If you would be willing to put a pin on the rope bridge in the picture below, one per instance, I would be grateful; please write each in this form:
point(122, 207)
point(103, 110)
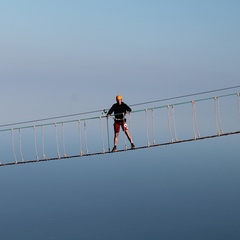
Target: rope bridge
point(158, 125)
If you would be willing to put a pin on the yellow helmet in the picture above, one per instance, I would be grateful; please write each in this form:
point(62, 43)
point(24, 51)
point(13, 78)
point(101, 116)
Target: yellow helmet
point(118, 97)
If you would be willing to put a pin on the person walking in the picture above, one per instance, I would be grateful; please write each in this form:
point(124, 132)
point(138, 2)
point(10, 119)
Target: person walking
point(120, 109)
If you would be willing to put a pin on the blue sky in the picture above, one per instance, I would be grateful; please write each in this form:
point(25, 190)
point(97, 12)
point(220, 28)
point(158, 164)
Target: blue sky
point(63, 57)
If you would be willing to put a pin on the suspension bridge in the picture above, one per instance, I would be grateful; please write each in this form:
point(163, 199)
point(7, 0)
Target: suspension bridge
point(157, 123)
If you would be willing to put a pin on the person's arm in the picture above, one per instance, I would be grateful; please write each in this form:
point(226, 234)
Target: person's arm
point(110, 111)
point(128, 109)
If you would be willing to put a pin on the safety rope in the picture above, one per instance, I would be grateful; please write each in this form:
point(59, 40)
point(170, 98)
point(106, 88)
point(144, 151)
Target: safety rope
point(0, 149)
point(13, 147)
point(217, 115)
point(20, 144)
point(125, 138)
point(140, 147)
point(35, 141)
point(63, 141)
point(43, 150)
point(174, 123)
point(153, 127)
point(85, 135)
point(128, 117)
point(169, 123)
point(108, 134)
point(125, 141)
point(56, 135)
point(194, 121)
point(80, 137)
point(136, 104)
point(238, 98)
point(101, 131)
point(146, 120)
point(130, 124)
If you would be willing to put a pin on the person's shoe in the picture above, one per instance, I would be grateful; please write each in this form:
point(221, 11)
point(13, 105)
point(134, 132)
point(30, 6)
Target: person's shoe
point(114, 149)
point(132, 146)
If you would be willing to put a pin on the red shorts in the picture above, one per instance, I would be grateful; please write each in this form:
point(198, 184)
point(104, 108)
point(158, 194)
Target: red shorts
point(117, 126)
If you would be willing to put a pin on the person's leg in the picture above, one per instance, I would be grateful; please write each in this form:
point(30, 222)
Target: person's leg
point(116, 138)
point(116, 133)
point(128, 136)
point(125, 128)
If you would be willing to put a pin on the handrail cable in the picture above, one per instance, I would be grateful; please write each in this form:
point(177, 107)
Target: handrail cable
point(96, 117)
point(136, 104)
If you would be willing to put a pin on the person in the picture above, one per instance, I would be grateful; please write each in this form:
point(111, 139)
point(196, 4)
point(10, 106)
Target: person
point(120, 109)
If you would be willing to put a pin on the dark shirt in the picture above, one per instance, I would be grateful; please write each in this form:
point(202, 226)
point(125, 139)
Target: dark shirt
point(119, 110)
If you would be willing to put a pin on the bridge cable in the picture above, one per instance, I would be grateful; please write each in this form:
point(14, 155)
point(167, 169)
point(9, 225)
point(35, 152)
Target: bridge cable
point(184, 96)
point(20, 144)
point(85, 135)
point(101, 131)
point(80, 137)
point(217, 115)
point(194, 121)
point(63, 140)
point(56, 135)
point(136, 104)
point(238, 97)
point(13, 147)
point(169, 123)
point(125, 137)
point(174, 123)
point(146, 121)
point(153, 127)
point(43, 150)
point(35, 141)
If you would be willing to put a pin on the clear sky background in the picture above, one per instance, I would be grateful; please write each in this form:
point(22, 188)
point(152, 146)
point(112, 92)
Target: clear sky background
point(62, 57)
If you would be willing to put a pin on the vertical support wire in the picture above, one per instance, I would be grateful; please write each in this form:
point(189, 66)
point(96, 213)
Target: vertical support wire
point(125, 136)
point(159, 123)
point(35, 142)
point(0, 161)
point(217, 115)
point(169, 124)
point(153, 127)
point(108, 134)
point(147, 135)
point(194, 121)
point(101, 131)
point(80, 137)
point(20, 144)
point(85, 135)
point(63, 141)
point(56, 135)
point(238, 97)
point(174, 123)
point(43, 150)
point(130, 124)
point(13, 147)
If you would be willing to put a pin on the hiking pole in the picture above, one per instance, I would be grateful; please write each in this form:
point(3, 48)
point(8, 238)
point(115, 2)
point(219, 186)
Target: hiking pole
point(105, 111)
point(108, 135)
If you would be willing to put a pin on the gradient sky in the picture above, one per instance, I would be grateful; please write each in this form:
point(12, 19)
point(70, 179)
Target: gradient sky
point(62, 57)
